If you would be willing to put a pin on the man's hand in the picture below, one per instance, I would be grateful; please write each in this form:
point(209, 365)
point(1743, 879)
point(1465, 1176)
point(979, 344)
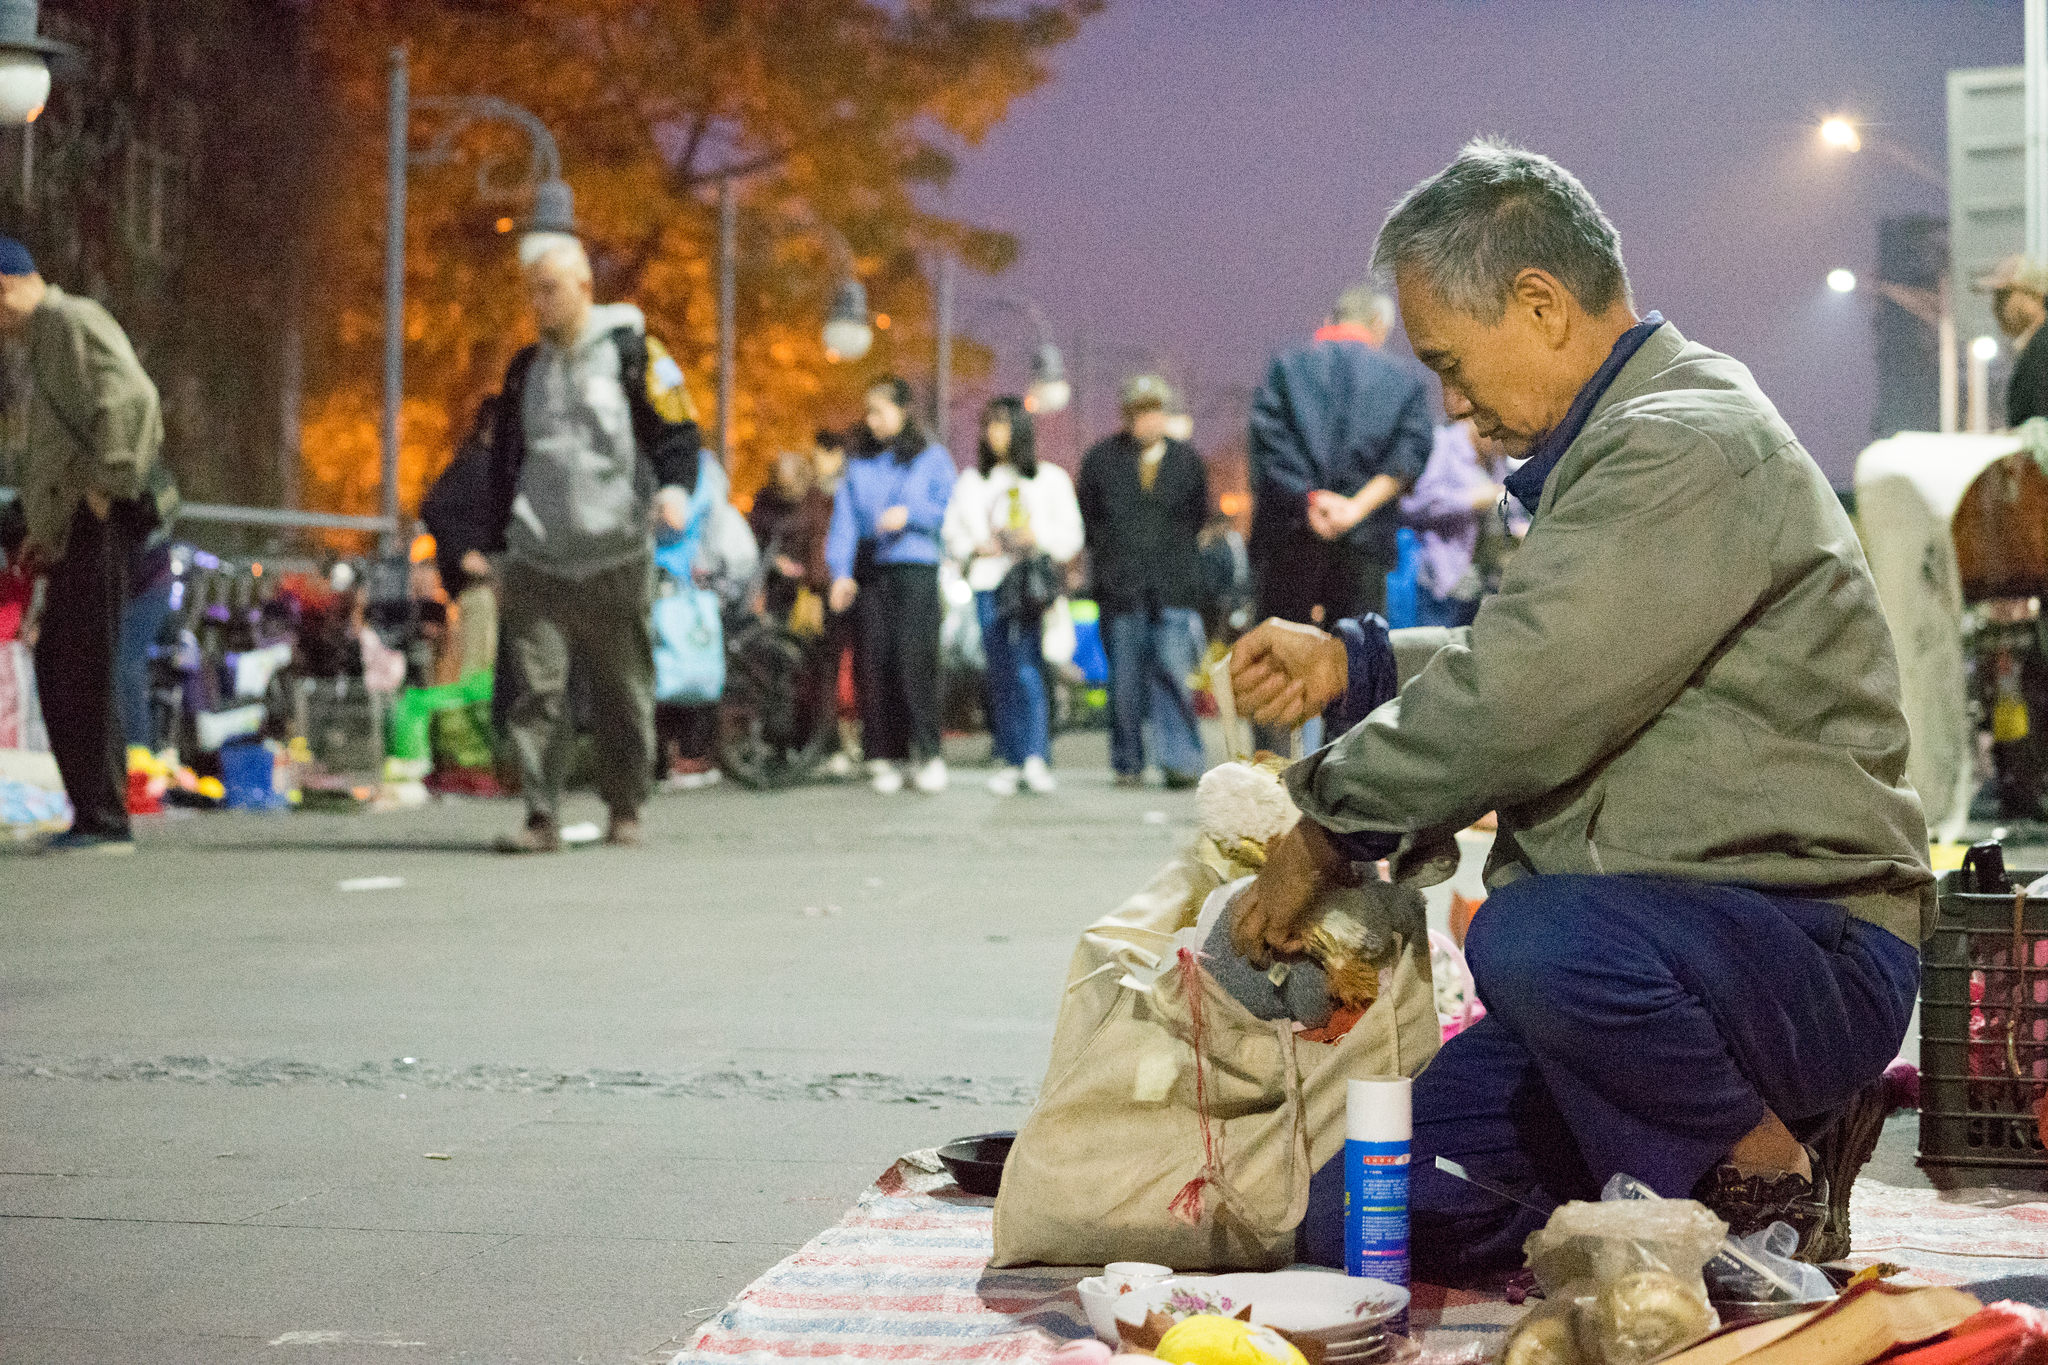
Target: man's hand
point(99, 503)
point(475, 564)
point(673, 506)
point(788, 567)
point(1282, 673)
point(844, 590)
point(1270, 914)
point(1489, 497)
point(1332, 515)
point(893, 520)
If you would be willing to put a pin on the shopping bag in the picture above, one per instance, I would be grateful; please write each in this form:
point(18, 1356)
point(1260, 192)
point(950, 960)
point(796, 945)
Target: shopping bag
point(1056, 634)
point(689, 645)
point(1175, 1127)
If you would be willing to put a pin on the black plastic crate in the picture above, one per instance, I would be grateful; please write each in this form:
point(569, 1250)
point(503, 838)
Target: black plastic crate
point(1984, 1036)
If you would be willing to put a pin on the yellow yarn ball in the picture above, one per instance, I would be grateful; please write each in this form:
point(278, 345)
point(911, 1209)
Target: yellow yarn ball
point(1207, 1339)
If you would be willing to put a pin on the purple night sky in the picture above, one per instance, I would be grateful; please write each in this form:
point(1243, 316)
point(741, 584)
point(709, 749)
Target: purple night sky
point(1202, 176)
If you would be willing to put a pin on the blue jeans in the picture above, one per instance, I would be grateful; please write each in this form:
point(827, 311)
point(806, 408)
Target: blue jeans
point(1018, 714)
point(1149, 662)
point(1635, 1025)
point(142, 617)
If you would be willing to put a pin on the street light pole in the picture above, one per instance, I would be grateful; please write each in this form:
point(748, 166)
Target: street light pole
point(394, 290)
point(2036, 123)
point(942, 384)
point(728, 309)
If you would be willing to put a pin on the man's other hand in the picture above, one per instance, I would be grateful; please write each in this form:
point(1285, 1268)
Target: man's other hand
point(844, 590)
point(672, 505)
point(99, 503)
point(1282, 673)
point(1270, 914)
point(475, 564)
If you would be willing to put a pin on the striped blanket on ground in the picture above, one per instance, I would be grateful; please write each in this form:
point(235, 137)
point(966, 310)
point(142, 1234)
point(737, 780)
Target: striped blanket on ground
point(905, 1277)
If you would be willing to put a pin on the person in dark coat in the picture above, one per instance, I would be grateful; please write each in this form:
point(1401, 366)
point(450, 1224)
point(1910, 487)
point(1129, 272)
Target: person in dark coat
point(1144, 498)
point(1338, 433)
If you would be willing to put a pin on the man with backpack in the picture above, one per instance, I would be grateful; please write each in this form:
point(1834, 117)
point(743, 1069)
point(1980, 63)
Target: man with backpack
point(583, 453)
point(95, 428)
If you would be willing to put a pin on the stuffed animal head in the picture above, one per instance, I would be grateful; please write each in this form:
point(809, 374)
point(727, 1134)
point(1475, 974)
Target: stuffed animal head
point(1245, 802)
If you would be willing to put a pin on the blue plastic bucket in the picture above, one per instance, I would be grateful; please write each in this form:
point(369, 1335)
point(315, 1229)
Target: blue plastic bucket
point(246, 770)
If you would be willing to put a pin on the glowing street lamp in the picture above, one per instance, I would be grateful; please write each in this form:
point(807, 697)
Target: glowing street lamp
point(847, 332)
point(1841, 134)
point(1842, 281)
point(25, 58)
point(1049, 392)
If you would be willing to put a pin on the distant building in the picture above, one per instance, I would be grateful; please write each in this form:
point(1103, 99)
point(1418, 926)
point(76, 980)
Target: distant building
point(167, 180)
point(1912, 251)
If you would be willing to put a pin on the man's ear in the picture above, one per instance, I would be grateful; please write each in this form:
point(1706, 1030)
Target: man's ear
point(1544, 301)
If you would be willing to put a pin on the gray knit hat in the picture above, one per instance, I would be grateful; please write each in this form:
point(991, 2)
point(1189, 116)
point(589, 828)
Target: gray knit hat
point(1142, 391)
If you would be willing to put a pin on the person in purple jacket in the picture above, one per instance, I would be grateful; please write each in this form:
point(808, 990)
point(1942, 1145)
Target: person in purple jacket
point(883, 551)
point(1448, 507)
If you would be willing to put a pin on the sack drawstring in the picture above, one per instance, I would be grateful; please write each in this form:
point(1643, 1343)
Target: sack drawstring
point(1188, 1205)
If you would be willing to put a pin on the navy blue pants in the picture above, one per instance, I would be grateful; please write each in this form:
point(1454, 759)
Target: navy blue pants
point(1634, 1025)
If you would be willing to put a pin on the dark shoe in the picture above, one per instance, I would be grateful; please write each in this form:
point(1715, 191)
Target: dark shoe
point(1842, 1151)
point(624, 831)
point(1130, 780)
point(1180, 782)
point(1751, 1203)
point(541, 835)
point(80, 841)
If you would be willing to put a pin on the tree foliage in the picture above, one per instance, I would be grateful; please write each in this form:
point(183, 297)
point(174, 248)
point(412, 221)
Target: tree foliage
point(842, 113)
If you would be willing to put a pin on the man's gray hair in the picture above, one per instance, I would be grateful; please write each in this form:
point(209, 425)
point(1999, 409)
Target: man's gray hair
point(1495, 211)
point(1365, 305)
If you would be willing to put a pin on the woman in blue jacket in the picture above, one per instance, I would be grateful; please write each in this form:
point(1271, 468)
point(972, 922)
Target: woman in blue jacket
point(883, 550)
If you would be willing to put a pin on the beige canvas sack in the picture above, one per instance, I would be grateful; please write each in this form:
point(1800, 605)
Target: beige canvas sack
point(1117, 1137)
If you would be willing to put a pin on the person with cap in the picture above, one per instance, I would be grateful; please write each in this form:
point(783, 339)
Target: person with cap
point(2018, 287)
point(95, 431)
point(587, 448)
point(1144, 497)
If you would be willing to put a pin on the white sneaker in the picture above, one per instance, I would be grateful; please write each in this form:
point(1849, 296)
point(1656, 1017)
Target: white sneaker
point(1004, 783)
point(931, 778)
point(1038, 777)
point(839, 767)
point(885, 777)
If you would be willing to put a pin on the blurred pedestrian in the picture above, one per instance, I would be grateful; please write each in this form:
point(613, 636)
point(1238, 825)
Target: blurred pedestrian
point(2017, 287)
point(1014, 526)
point(456, 512)
point(1144, 497)
point(790, 519)
point(1449, 507)
point(884, 554)
point(95, 432)
point(1338, 433)
point(581, 459)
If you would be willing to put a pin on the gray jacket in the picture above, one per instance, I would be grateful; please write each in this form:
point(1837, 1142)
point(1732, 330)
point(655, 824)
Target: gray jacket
point(94, 422)
point(578, 510)
point(1686, 672)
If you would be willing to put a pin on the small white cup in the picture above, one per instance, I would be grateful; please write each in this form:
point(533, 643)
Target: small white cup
point(1124, 1276)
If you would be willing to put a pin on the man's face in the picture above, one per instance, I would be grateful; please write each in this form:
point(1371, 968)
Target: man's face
point(1503, 376)
point(1148, 425)
point(558, 294)
point(2019, 311)
point(19, 297)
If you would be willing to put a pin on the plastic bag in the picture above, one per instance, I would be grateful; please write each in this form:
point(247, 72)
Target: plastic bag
point(1622, 1280)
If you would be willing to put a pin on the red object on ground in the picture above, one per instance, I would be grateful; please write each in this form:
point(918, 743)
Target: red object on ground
point(142, 801)
point(464, 782)
point(2005, 1333)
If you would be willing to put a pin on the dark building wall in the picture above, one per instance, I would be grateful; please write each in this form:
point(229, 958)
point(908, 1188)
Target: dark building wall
point(166, 179)
point(1912, 250)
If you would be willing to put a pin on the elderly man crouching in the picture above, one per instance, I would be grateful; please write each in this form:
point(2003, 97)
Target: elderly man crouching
point(1711, 873)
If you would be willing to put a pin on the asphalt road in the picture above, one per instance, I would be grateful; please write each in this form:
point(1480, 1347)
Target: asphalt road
point(550, 1109)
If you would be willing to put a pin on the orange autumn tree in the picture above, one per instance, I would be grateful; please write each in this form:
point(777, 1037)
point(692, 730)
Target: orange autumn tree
point(846, 113)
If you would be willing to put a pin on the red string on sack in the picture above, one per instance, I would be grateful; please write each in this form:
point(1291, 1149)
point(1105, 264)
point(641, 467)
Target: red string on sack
point(1187, 1206)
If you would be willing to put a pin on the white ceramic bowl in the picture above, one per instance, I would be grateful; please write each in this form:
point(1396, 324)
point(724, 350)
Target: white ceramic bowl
point(1099, 1300)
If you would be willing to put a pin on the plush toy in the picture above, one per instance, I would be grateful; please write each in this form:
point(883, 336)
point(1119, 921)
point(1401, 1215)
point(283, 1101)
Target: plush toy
point(1241, 808)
